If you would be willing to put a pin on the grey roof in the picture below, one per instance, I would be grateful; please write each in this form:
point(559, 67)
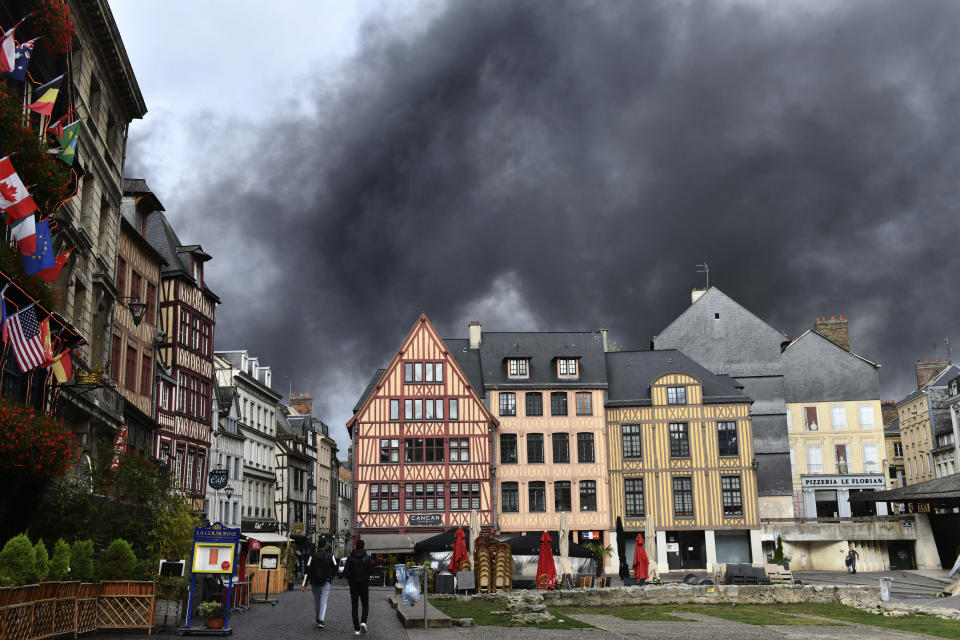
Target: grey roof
point(945, 376)
point(163, 238)
point(542, 348)
point(892, 428)
point(816, 369)
point(945, 488)
point(630, 373)
point(469, 362)
point(139, 187)
point(226, 395)
point(942, 422)
point(370, 387)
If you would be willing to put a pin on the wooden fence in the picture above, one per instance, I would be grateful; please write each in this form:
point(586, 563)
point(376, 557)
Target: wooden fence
point(43, 610)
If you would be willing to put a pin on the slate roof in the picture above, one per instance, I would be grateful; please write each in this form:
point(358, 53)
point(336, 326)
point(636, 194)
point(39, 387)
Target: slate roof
point(370, 387)
point(946, 488)
point(630, 373)
point(139, 186)
point(942, 422)
point(892, 428)
point(163, 238)
point(543, 348)
point(816, 369)
point(469, 362)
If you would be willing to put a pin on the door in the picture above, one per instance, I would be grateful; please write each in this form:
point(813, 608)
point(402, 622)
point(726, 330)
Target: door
point(693, 550)
point(673, 551)
point(901, 555)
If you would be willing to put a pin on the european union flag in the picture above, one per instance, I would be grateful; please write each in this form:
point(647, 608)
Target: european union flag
point(43, 258)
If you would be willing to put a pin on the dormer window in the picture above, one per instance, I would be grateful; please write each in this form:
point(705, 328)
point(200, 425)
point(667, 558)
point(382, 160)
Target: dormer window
point(567, 367)
point(517, 367)
point(676, 395)
point(197, 267)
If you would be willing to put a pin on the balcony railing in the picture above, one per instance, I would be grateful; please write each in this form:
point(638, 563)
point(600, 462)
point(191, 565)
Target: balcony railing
point(814, 468)
point(871, 467)
point(843, 468)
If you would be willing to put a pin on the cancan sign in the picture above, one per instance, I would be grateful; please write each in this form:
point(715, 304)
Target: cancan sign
point(425, 519)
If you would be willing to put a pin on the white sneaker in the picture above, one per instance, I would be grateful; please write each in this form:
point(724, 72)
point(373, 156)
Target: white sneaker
point(356, 633)
point(363, 627)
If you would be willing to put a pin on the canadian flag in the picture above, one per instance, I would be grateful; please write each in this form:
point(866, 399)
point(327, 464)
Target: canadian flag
point(15, 200)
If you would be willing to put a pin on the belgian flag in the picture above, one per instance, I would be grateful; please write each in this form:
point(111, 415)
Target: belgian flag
point(47, 97)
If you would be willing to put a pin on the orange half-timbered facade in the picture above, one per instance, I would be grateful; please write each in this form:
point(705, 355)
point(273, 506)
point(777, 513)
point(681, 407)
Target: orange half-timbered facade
point(422, 442)
point(184, 394)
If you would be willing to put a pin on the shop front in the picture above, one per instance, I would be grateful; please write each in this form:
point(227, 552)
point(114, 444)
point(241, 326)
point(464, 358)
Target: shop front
point(828, 496)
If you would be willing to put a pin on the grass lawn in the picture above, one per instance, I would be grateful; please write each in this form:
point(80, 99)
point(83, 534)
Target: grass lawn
point(757, 614)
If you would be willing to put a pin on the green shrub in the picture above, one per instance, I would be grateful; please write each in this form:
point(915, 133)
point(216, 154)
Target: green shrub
point(60, 564)
point(42, 560)
point(81, 560)
point(778, 551)
point(119, 562)
point(211, 609)
point(17, 562)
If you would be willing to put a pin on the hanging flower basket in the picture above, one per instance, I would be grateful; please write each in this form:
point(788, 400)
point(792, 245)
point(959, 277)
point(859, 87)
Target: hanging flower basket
point(51, 19)
point(34, 444)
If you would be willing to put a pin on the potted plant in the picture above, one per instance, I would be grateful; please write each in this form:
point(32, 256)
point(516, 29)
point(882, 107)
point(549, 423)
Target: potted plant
point(599, 552)
point(213, 612)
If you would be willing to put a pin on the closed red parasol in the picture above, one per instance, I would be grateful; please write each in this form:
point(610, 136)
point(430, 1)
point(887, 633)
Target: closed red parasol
point(460, 554)
point(640, 560)
point(546, 569)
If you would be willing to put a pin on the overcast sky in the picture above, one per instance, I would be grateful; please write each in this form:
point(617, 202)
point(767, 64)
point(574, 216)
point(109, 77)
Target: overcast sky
point(552, 166)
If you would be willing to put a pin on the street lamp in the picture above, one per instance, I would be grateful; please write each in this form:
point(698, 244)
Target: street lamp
point(137, 308)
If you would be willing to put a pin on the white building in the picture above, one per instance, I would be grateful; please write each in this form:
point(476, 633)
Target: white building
point(226, 453)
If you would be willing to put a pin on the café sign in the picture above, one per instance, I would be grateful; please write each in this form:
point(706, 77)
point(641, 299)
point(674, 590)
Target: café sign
point(871, 481)
point(426, 519)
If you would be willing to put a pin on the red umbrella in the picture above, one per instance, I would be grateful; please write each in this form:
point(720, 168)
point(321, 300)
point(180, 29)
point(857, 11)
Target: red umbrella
point(459, 551)
point(545, 566)
point(640, 560)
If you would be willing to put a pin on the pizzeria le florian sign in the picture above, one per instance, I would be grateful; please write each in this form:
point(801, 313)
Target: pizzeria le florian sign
point(843, 482)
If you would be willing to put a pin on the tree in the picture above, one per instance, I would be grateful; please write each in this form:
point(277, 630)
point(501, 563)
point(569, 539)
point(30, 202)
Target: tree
point(599, 553)
point(119, 562)
point(17, 562)
point(778, 551)
point(60, 564)
point(81, 560)
point(41, 560)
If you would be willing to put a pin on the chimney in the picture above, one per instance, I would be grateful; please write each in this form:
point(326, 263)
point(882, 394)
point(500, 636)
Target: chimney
point(476, 333)
point(603, 332)
point(888, 409)
point(696, 294)
point(302, 403)
point(834, 329)
point(927, 370)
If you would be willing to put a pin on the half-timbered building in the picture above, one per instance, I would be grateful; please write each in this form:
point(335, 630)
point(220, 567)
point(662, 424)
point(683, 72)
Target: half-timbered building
point(682, 461)
point(422, 441)
point(186, 350)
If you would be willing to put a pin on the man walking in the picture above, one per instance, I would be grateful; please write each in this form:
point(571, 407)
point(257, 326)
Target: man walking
point(852, 557)
point(320, 571)
point(357, 570)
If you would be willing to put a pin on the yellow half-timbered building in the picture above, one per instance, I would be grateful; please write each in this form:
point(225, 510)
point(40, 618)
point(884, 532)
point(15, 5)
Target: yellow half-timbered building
point(681, 460)
point(422, 442)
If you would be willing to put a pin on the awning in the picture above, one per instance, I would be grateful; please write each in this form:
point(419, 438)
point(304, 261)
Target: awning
point(393, 542)
point(266, 538)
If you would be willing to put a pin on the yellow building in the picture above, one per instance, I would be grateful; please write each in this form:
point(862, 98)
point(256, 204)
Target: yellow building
point(925, 416)
point(682, 462)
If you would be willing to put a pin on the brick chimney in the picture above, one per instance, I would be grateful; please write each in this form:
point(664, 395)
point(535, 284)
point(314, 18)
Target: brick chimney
point(834, 329)
point(476, 335)
point(302, 403)
point(888, 411)
point(927, 370)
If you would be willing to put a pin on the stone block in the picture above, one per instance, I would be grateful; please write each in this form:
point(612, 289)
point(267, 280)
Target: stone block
point(532, 618)
point(464, 622)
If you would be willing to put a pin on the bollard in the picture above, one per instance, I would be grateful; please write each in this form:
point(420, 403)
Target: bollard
point(885, 589)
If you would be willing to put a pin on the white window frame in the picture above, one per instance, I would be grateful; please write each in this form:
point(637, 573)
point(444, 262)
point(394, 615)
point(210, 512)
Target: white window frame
point(871, 459)
point(814, 461)
point(866, 410)
point(838, 417)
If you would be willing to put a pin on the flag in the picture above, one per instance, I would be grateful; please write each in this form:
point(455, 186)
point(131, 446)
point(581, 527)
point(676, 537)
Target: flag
point(49, 275)
point(42, 258)
point(56, 128)
point(8, 50)
point(24, 51)
point(62, 367)
point(68, 141)
point(3, 310)
point(46, 343)
point(15, 200)
point(25, 233)
point(47, 96)
point(24, 336)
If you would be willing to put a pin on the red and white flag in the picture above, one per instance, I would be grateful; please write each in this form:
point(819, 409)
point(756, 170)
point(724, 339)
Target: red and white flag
point(15, 200)
point(23, 334)
point(8, 50)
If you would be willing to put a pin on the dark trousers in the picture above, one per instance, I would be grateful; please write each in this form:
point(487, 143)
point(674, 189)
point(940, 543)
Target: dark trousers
point(361, 591)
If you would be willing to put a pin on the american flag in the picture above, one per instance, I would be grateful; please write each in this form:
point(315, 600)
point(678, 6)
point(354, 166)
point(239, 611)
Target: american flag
point(24, 336)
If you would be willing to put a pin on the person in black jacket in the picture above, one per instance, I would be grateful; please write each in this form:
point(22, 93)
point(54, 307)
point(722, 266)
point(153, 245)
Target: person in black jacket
point(320, 572)
point(357, 570)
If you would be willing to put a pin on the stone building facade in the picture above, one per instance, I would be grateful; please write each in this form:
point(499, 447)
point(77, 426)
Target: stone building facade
point(925, 415)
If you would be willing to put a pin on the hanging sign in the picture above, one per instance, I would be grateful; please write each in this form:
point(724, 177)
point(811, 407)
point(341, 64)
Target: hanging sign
point(119, 447)
point(217, 479)
point(270, 558)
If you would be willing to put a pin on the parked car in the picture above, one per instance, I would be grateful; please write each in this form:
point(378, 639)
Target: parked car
point(340, 565)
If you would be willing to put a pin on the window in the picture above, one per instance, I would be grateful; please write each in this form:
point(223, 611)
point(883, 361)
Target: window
point(561, 496)
point(146, 375)
point(136, 285)
point(130, 377)
point(632, 442)
point(454, 409)
point(389, 450)
point(567, 367)
point(422, 496)
point(204, 399)
point(843, 458)
point(535, 404)
point(438, 372)
point(192, 397)
point(394, 409)
point(428, 370)
point(428, 410)
point(188, 481)
point(418, 372)
point(438, 412)
point(727, 438)
point(538, 497)
point(793, 462)
point(205, 339)
point(508, 448)
point(517, 367)
point(676, 395)
point(866, 417)
point(385, 497)
point(181, 392)
point(464, 496)
point(679, 440)
point(682, 497)
point(121, 276)
point(413, 450)
point(459, 450)
point(810, 419)
point(871, 461)
point(510, 497)
point(561, 448)
point(115, 356)
point(585, 447)
point(195, 336)
point(897, 449)
point(433, 450)
point(814, 459)
point(408, 409)
point(558, 403)
point(535, 448)
point(408, 372)
point(588, 495)
point(164, 392)
point(584, 404)
point(418, 409)
point(151, 314)
point(508, 404)
point(838, 416)
point(633, 497)
point(184, 327)
point(732, 495)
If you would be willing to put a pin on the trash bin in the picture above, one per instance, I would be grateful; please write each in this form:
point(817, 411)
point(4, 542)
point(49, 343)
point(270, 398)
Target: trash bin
point(885, 589)
point(443, 582)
